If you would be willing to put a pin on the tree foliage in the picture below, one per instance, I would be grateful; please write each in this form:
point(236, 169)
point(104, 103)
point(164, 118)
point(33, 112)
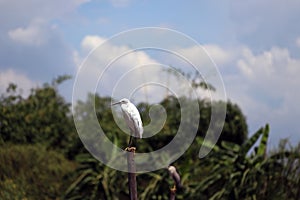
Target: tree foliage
point(36, 130)
point(42, 117)
point(32, 172)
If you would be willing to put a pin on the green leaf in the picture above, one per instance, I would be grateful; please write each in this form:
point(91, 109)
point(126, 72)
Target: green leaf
point(250, 142)
point(263, 142)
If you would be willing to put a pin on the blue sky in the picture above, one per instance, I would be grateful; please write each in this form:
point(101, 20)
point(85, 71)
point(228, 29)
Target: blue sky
point(255, 44)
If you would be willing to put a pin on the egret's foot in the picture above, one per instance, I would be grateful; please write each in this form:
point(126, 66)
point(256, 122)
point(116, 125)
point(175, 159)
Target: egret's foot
point(130, 149)
point(173, 189)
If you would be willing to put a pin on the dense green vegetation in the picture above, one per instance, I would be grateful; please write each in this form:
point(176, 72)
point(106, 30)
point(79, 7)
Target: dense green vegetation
point(41, 156)
point(32, 172)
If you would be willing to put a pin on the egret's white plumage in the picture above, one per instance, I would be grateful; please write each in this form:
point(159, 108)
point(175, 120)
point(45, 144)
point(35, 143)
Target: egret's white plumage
point(132, 117)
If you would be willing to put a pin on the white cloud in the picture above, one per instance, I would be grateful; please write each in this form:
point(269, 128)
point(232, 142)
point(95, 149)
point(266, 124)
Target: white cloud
point(37, 48)
point(219, 55)
point(270, 69)
point(90, 42)
point(126, 72)
point(265, 85)
point(21, 80)
point(204, 55)
point(30, 40)
point(34, 35)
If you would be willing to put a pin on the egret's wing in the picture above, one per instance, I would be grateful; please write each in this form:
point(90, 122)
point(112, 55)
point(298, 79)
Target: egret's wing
point(133, 119)
point(128, 120)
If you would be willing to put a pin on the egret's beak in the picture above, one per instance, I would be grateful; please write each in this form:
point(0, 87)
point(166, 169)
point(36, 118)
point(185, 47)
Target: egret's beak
point(115, 103)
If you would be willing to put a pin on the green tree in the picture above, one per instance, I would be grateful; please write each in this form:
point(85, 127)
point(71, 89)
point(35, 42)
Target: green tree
point(235, 128)
point(42, 117)
point(247, 172)
point(33, 172)
point(94, 180)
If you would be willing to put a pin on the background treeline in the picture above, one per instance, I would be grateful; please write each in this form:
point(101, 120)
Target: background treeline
point(42, 157)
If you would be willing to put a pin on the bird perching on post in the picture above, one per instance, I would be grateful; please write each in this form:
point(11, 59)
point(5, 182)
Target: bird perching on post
point(134, 122)
point(132, 118)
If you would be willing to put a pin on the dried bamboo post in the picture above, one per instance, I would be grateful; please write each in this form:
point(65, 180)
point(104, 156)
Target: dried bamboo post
point(131, 173)
point(173, 193)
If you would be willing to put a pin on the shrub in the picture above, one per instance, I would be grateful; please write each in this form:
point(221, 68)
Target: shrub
point(32, 172)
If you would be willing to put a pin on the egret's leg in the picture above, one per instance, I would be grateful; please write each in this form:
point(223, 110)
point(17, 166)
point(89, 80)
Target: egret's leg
point(130, 141)
point(131, 147)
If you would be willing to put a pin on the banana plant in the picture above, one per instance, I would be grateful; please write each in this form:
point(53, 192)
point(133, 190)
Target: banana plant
point(238, 170)
point(97, 181)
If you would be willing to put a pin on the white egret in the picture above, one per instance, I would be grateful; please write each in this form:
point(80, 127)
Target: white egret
point(132, 118)
point(176, 177)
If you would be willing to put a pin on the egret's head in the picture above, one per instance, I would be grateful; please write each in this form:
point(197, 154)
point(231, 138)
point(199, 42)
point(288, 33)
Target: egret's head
point(122, 101)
